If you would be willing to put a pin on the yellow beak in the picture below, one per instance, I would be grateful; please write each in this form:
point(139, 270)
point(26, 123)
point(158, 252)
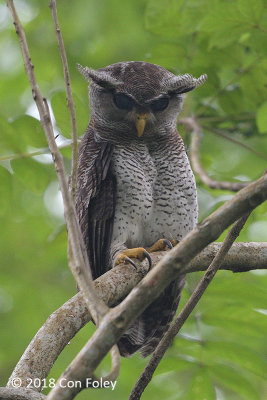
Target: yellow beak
point(140, 123)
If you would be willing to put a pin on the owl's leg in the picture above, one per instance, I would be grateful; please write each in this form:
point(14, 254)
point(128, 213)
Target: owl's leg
point(162, 244)
point(139, 252)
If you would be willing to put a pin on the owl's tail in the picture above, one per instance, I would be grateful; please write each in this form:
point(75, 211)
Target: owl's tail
point(147, 331)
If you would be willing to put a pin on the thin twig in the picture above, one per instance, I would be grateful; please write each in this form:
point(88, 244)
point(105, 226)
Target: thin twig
point(70, 101)
point(45, 150)
point(80, 264)
point(111, 288)
point(172, 265)
point(115, 355)
point(192, 124)
point(225, 118)
point(169, 336)
point(81, 271)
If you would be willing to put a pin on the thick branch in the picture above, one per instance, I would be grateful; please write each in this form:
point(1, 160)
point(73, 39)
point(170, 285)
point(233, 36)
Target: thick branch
point(111, 287)
point(64, 323)
point(20, 394)
point(192, 124)
point(169, 336)
point(170, 267)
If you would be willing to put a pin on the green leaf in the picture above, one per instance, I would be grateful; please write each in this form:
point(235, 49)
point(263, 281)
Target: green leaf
point(5, 189)
point(161, 17)
point(226, 23)
point(29, 131)
point(62, 116)
point(172, 19)
point(8, 142)
point(66, 152)
point(32, 174)
point(24, 131)
point(261, 118)
point(230, 101)
point(228, 379)
point(252, 10)
point(200, 386)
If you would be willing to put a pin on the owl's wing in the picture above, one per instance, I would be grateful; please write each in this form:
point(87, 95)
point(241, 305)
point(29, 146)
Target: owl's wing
point(95, 200)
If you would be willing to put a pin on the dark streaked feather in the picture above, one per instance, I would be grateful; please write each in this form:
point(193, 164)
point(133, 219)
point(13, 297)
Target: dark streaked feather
point(95, 200)
point(147, 331)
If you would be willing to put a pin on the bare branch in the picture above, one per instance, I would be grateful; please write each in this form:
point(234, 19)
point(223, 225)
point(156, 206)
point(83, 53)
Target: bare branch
point(20, 394)
point(192, 124)
point(172, 265)
point(81, 270)
point(169, 336)
point(70, 101)
point(224, 118)
point(64, 323)
point(115, 355)
point(10, 157)
point(111, 288)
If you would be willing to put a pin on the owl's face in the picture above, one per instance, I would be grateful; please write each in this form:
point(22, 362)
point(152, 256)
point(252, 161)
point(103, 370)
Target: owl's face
point(137, 99)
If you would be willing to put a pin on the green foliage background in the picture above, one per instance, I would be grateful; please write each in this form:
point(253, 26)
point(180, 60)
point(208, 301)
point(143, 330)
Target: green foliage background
point(221, 351)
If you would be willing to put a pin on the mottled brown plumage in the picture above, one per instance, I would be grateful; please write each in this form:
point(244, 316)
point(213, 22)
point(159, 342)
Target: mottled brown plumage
point(135, 184)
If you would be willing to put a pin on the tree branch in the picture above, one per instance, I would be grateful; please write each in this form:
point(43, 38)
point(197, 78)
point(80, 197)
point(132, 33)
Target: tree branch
point(70, 101)
point(10, 157)
point(111, 287)
point(172, 265)
point(192, 124)
point(20, 394)
point(81, 269)
point(169, 336)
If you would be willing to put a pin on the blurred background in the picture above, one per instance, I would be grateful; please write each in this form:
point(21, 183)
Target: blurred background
point(221, 351)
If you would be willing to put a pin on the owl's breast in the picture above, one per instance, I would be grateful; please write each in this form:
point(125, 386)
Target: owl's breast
point(156, 195)
point(175, 208)
point(135, 174)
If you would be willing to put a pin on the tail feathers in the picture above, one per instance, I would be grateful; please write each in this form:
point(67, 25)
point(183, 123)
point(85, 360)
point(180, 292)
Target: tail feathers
point(147, 331)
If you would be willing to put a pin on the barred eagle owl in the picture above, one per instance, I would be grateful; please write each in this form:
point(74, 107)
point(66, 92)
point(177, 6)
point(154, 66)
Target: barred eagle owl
point(136, 191)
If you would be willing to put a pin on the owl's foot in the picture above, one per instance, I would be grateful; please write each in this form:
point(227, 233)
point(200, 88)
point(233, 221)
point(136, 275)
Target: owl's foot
point(162, 244)
point(139, 252)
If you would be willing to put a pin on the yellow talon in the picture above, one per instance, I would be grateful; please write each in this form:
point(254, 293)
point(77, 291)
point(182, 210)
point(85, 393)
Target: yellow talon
point(139, 252)
point(162, 244)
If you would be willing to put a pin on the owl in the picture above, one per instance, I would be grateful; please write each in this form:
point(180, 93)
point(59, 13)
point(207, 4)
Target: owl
point(136, 192)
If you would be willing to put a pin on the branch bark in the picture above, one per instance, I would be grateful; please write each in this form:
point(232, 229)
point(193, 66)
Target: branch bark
point(73, 178)
point(169, 336)
point(81, 269)
point(70, 101)
point(111, 287)
point(20, 394)
point(170, 267)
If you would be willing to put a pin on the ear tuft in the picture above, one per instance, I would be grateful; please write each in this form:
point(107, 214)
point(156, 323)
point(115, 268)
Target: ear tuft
point(101, 78)
point(184, 83)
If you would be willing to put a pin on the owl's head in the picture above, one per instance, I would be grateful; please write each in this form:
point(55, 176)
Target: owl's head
point(137, 98)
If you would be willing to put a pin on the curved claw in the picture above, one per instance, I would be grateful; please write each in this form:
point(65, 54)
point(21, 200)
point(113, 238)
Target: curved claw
point(138, 252)
point(168, 243)
point(128, 259)
point(147, 255)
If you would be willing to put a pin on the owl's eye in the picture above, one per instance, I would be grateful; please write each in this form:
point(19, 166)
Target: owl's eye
point(160, 104)
point(123, 101)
